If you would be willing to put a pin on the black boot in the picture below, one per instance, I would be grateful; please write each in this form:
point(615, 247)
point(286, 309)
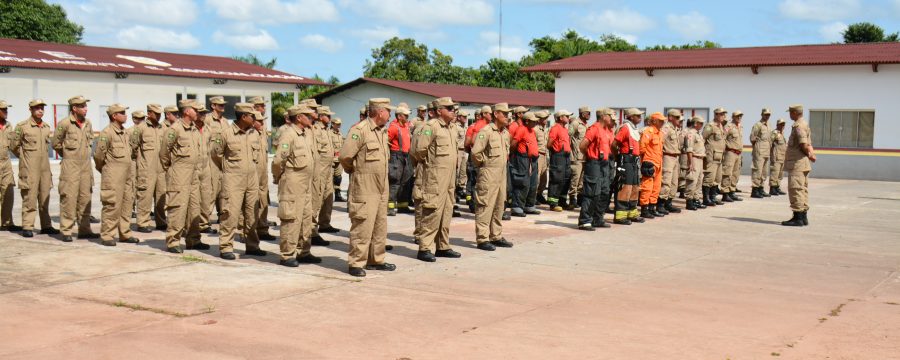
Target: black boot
point(779, 191)
point(796, 220)
point(726, 197)
point(714, 193)
point(660, 209)
point(691, 205)
point(734, 196)
point(803, 218)
point(671, 208)
point(338, 197)
point(756, 193)
point(706, 200)
point(762, 191)
point(646, 213)
point(680, 193)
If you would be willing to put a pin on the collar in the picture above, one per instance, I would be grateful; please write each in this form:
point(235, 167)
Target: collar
point(118, 128)
point(33, 122)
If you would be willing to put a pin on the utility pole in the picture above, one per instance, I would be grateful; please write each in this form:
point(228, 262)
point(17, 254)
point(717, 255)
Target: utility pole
point(500, 33)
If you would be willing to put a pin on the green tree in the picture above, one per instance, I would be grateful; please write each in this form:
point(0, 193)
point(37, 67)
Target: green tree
point(37, 20)
point(254, 60)
point(282, 101)
point(696, 45)
point(865, 32)
point(399, 59)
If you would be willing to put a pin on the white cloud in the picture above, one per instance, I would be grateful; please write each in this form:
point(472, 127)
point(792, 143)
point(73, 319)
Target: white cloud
point(425, 14)
point(833, 32)
point(275, 11)
point(819, 10)
point(691, 26)
point(376, 36)
point(514, 48)
point(322, 42)
point(146, 37)
point(108, 16)
point(245, 36)
point(625, 23)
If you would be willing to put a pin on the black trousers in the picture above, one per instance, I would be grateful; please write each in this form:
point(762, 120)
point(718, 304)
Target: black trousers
point(560, 177)
point(471, 177)
point(632, 176)
point(523, 171)
point(399, 177)
point(595, 198)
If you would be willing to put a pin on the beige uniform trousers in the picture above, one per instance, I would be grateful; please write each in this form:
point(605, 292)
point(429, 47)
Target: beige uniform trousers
point(152, 198)
point(491, 190)
point(731, 171)
point(798, 190)
point(577, 172)
point(76, 181)
point(207, 197)
point(115, 218)
point(760, 168)
point(35, 199)
point(543, 174)
point(322, 199)
point(182, 206)
point(264, 199)
point(670, 174)
point(7, 194)
point(776, 172)
point(461, 176)
point(240, 199)
point(693, 183)
point(295, 213)
point(712, 171)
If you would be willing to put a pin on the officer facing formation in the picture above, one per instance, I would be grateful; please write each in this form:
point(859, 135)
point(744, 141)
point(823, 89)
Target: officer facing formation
point(72, 142)
point(798, 163)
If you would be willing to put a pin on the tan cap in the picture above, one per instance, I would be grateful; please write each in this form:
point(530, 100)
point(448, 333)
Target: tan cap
point(138, 114)
point(381, 102)
point(613, 114)
point(675, 113)
point(36, 102)
point(258, 116)
point(422, 108)
point(300, 109)
point(336, 121)
point(189, 103)
point(542, 114)
point(520, 109)
point(157, 108)
point(529, 116)
point(633, 111)
point(477, 112)
point(462, 113)
point(218, 100)
point(780, 121)
point(584, 109)
point(561, 113)
point(737, 113)
point(4, 105)
point(444, 102)
point(170, 109)
point(244, 108)
point(203, 109)
point(78, 100)
point(311, 103)
point(719, 110)
point(486, 109)
point(766, 111)
point(116, 108)
point(796, 107)
point(502, 107)
point(430, 105)
point(697, 118)
point(403, 109)
point(362, 111)
point(324, 110)
point(257, 100)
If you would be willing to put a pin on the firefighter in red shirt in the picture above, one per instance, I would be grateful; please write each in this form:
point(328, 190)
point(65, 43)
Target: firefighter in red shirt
point(651, 166)
point(560, 158)
point(597, 148)
point(523, 156)
point(628, 148)
point(399, 167)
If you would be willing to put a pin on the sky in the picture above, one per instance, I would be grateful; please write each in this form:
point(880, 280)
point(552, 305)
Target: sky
point(335, 37)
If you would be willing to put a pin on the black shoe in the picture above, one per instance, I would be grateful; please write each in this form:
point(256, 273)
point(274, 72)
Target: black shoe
point(796, 220)
point(519, 213)
point(319, 241)
point(779, 191)
point(671, 208)
point(144, 229)
point(309, 259)
point(804, 219)
point(532, 211)
point(638, 220)
point(108, 243)
point(49, 231)
point(162, 227)
point(762, 191)
point(329, 230)
point(659, 210)
point(198, 246)
point(486, 246)
point(27, 233)
point(392, 212)
point(449, 253)
point(292, 262)
point(755, 193)
point(389, 247)
point(228, 256)
point(175, 250)
point(585, 227)
point(94, 220)
point(714, 195)
point(426, 256)
point(272, 223)
point(210, 231)
point(267, 237)
point(67, 238)
point(338, 197)
point(691, 205)
point(706, 201)
point(89, 236)
point(382, 267)
point(12, 228)
point(502, 243)
point(506, 216)
point(255, 252)
point(622, 222)
point(456, 213)
point(734, 197)
point(357, 272)
point(645, 213)
point(600, 225)
point(726, 197)
point(681, 193)
point(131, 240)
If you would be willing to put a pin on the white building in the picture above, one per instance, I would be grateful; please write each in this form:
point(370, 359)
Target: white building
point(56, 72)
point(850, 93)
point(347, 99)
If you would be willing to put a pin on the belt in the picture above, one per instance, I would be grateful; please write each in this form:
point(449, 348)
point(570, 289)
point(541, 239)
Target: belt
point(733, 150)
point(700, 157)
point(673, 155)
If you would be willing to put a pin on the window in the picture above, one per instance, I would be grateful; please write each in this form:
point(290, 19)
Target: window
point(842, 128)
point(688, 112)
point(229, 104)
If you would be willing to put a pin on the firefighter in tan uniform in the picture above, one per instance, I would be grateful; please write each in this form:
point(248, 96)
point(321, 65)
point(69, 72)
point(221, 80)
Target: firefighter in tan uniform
point(364, 156)
point(150, 179)
point(414, 128)
point(293, 169)
point(731, 164)
point(205, 172)
point(323, 183)
point(171, 117)
point(489, 153)
point(7, 182)
point(542, 132)
point(695, 153)
point(30, 143)
point(672, 143)
point(113, 160)
point(577, 129)
point(338, 140)
point(436, 151)
point(714, 136)
point(459, 127)
point(72, 142)
point(262, 172)
point(779, 148)
point(761, 138)
point(798, 163)
point(262, 221)
point(235, 150)
point(214, 122)
point(180, 156)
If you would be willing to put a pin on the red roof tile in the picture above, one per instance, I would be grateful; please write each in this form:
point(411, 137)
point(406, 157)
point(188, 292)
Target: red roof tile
point(43, 55)
point(459, 93)
point(797, 55)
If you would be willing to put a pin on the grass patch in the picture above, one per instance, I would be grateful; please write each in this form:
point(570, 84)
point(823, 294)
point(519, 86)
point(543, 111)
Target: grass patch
point(775, 354)
point(138, 307)
point(891, 303)
point(837, 311)
point(193, 259)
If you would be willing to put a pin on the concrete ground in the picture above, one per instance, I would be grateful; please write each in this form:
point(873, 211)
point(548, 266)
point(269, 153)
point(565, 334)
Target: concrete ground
point(723, 283)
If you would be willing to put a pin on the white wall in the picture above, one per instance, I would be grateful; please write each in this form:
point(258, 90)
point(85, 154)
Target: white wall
point(854, 87)
point(56, 87)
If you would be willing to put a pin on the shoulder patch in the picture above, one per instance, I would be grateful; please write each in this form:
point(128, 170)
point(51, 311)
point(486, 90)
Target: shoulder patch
point(481, 136)
point(103, 138)
point(355, 136)
point(427, 132)
point(285, 146)
point(171, 135)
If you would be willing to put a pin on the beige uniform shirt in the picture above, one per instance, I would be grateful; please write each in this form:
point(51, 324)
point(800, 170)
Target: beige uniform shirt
point(693, 143)
point(112, 156)
point(436, 150)
point(295, 153)
point(146, 140)
point(324, 149)
point(543, 136)
point(364, 156)
point(734, 137)
point(71, 142)
point(577, 129)
point(460, 136)
point(795, 159)
point(30, 143)
point(6, 174)
point(672, 139)
point(761, 137)
point(181, 154)
point(779, 146)
point(236, 151)
point(715, 140)
point(338, 142)
point(490, 148)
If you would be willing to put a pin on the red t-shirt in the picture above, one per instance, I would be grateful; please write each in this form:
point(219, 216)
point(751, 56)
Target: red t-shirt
point(599, 140)
point(475, 128)
point(513, 126)
point(526, 141)
point(395, 134)
point(625, 140)
point(559, 138)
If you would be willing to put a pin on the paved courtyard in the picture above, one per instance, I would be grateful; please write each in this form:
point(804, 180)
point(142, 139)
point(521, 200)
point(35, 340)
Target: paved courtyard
point(724, 283)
